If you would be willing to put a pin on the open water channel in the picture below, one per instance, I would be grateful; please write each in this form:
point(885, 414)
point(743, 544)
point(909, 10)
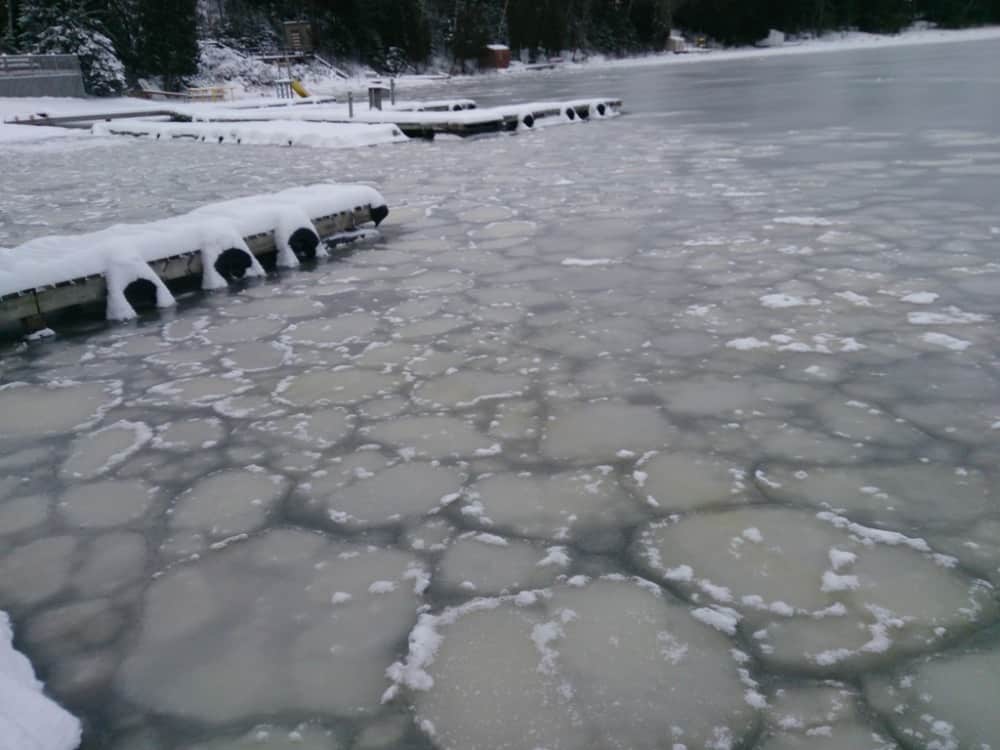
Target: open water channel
point(677, 430)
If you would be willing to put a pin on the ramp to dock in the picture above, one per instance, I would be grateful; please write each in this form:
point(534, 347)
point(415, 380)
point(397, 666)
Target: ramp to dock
point(133, 265)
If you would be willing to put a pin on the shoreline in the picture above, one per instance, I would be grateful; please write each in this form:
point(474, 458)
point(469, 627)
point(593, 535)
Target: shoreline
point(848, 41)
point(841, 41)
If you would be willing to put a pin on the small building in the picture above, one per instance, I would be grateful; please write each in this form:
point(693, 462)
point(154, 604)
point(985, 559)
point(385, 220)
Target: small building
point(300, 37)
point(495, 57)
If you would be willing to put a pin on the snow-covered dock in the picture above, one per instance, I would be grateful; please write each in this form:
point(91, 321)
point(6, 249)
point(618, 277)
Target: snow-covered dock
point(260, 133)
point(426, 123)
point(129, 266)
point(323, 123)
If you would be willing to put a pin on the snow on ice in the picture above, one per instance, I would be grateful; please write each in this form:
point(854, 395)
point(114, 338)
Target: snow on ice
point(29, 720)
point(561, 668)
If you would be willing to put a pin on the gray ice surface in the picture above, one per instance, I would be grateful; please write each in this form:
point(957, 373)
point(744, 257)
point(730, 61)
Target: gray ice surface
point(704, 396)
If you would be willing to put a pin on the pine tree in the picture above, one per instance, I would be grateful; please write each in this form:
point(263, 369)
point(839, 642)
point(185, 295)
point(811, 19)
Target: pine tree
point(168, 42)
point(8, 16)
point(475, 24)
point(70, 27)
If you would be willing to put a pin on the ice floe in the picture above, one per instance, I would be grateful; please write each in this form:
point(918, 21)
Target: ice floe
point(31, 411)
point(252, 629)
point(562, 669)
point(942, 703)
point(570, 434)
point(823, 716)
point(816, 594)
point(586, 506)
point(229, 502)
point(401, 492)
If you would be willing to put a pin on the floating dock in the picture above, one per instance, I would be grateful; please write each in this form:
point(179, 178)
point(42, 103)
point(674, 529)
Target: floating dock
point(461, 117)
point(130, 267)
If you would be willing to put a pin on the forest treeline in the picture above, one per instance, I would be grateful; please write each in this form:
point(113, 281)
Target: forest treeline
point(117, 39)
point(374, 31)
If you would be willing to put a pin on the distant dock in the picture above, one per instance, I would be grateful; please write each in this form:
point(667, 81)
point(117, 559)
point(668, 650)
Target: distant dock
point(425, 120)
point(453, 117)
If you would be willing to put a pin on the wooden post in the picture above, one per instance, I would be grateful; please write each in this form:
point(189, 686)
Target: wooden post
point(392, 91)
point(350, 105)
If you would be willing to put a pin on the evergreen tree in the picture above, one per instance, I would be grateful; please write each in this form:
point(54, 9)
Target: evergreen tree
point(885, 15)
point(168, 43)
point(70, 27)
point(158, 37)
point(475, 23)
point(958, 13)
point(8, 16)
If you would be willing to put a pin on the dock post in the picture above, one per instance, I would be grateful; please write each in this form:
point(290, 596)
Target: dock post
point(392, 91)
point(350, 105)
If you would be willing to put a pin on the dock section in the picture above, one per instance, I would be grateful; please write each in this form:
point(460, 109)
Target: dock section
point(330, 124)
point(423, 123)
point(130, 267)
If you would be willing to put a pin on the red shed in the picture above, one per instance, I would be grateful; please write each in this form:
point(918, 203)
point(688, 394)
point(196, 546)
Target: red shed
point(495, 56)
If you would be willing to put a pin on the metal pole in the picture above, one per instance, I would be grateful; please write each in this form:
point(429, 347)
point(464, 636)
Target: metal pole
point(350, 105)
point(392, 91)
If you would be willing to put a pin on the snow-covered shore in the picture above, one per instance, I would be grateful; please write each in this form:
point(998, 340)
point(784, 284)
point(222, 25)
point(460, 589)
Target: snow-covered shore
point(834, 41)
point(28, 719)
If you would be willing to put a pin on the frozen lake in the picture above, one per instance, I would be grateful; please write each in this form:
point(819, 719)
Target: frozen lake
point(678, 430)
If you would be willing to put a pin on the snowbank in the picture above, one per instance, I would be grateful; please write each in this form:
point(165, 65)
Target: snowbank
point(28, 719)
point(271, 133)
point(121, 252)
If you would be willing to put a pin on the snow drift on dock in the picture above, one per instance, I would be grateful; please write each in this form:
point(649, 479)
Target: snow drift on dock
point(121, 253)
